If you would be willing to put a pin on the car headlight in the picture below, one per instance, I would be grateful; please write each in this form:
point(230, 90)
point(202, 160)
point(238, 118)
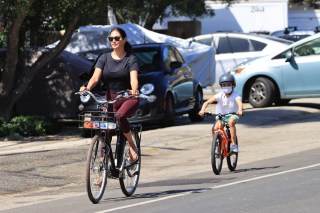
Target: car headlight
point(81, 107)
point(147, 89)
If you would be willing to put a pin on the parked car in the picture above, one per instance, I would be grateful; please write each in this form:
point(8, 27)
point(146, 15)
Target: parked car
point(295, 34)
point(290, 73)
point(51, 92)
point(233, 48)
point(164, 75)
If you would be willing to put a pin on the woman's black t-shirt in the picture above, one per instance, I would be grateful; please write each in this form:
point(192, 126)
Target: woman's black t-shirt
point(117, 72)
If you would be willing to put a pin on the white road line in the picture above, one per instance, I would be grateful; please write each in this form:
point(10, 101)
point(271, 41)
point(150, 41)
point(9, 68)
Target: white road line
point(215, 187)
point(146, 202)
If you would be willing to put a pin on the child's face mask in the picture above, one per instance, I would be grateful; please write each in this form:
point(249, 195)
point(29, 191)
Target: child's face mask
point(227, 89)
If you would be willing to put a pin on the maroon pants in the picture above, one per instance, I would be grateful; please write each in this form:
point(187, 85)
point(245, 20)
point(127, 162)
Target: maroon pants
point(125, 108)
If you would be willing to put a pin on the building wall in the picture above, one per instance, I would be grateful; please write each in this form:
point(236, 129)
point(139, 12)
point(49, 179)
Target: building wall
point(246, 16)
point(303, 17)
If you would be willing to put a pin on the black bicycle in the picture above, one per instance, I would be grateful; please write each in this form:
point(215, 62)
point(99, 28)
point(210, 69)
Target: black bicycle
point(109, 150)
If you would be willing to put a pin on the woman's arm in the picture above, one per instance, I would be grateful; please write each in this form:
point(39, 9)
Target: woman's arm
point(93, 80)
point(134, 82)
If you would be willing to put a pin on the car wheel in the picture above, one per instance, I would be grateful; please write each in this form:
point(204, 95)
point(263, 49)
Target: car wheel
point(194, 114)
point(169, 114)
point(262, 93)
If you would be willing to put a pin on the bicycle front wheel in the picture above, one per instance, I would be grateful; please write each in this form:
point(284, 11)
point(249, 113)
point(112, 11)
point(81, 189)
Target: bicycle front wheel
point(96, 168)
point(131, 173)
point(232, 159)
point(216, 154)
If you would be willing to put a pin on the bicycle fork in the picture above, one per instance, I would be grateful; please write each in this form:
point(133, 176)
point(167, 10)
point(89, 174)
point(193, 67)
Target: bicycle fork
point(224, 142)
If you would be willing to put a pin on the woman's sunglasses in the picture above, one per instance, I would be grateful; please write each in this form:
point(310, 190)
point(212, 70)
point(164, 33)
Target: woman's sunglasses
point(116, 38)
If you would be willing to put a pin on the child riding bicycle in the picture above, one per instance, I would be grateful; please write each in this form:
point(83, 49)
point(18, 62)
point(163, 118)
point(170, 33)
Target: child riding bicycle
point(228, 101)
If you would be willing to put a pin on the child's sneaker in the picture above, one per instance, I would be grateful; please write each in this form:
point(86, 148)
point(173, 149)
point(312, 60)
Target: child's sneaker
point(234, 148)
point(217, 151)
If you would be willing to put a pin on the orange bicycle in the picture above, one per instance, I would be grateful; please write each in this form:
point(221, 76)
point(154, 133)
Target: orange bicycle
point(220, 147)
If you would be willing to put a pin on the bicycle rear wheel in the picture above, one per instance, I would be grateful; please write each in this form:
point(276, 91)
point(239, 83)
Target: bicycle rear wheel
point(232, 159)
point(130, 176)
point(96, 168)
point(216, 154)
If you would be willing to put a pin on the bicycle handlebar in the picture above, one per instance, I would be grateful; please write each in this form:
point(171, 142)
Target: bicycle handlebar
point(209, 114)
point(121, 94)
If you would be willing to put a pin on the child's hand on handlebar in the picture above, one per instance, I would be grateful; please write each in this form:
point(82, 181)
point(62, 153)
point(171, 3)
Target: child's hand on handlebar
point(239, 113)
point(201, 113)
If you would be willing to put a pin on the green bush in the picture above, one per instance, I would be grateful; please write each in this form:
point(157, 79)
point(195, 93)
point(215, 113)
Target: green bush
point(4, 130)
point(29, 126)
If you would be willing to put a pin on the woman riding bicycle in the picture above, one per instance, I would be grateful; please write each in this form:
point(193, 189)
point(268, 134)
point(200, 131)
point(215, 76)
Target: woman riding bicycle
point(228, 101)
point(121, 70)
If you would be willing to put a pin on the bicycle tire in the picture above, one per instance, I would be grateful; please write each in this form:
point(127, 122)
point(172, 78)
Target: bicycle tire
point(216, 156)
point(130, 177)
point(95, 169)
point(232, 159)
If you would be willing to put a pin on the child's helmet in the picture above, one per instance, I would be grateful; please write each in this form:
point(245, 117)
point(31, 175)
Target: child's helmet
point(227, 77)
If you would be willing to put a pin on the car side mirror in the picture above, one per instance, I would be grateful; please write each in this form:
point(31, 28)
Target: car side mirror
point(175, 65)
point(289, 56)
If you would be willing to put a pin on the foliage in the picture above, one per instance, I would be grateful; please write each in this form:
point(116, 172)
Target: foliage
point(311, 3)
point(25, 21)
point(3, 38)
point(28, 126)
point(147, 12)
point(4, 130)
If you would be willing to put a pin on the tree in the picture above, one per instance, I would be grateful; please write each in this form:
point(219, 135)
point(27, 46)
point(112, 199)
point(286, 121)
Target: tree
point(34, 16)
point(310, 3)
point(147, 12)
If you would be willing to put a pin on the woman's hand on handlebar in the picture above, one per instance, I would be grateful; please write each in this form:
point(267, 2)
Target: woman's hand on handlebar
point(134, 92)
point(82, 88)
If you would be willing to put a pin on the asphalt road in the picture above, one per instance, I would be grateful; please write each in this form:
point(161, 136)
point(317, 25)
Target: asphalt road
point(48, 172)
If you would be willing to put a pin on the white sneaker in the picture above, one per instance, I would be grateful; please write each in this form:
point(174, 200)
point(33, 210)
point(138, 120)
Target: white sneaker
point(234, 148)
point(217, 151)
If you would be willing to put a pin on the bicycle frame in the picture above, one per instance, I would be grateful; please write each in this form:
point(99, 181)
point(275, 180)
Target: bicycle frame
point(223, 131)
point(114, 169)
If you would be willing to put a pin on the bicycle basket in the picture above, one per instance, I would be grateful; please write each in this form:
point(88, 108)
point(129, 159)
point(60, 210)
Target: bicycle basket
point(98, 120)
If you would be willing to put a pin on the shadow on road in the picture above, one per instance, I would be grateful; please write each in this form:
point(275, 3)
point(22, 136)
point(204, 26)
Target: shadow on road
point(276, 115)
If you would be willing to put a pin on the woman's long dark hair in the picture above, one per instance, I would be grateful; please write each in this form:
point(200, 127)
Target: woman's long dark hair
point(127, 45)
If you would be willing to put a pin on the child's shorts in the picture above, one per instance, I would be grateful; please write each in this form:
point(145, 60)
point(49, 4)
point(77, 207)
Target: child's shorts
point(227, 118)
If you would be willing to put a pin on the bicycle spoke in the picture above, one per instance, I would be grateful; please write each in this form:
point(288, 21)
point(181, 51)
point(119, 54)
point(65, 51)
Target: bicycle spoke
point(130, 176)
point(96, 179)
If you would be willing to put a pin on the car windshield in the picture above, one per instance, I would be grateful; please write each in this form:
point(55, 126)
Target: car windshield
point(148, 59)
